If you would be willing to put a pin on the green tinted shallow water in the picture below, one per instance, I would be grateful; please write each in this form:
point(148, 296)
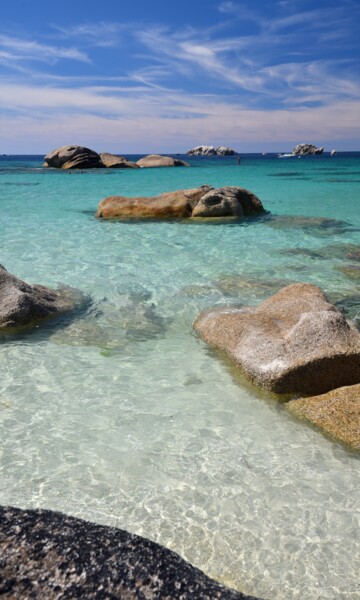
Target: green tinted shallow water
point(123, 416)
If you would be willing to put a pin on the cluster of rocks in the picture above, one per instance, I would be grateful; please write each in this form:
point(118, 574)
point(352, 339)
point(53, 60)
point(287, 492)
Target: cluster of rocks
point(202, 202)
point(303, 149)
point(78, 157)
point(296, 342)
point(46, 554)
point(211, 151)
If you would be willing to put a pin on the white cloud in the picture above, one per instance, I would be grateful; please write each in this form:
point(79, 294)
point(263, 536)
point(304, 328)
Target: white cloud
point(44, 118)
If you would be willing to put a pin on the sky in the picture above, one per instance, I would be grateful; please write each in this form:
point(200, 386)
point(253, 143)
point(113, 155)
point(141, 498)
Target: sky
point(165, 76)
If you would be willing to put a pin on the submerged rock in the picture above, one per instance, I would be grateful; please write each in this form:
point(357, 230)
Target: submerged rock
point(22, 303)
point(302, 252)
point(316, 226)
point(235, 285)
point(349, 304)
point(211, 151)
point(294, 342)
point(337, 413)
point(73, 157)
point(46, 554)
point(113, 325)
point(351, 271)
point(112, 161)
point(229, 201)
point(156, 160)
point(302, 149)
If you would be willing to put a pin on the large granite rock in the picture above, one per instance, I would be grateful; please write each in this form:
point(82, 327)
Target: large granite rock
point(336, 413)
point(294, 342)
point(78, 157)
point(204, 202)
point(228, 201)
point(211, 151)
point(73, 157)
point(22, 303)
point(302, 149)
point(166, 206)
point(156, 160)
point(49, 555)
point(112, 161)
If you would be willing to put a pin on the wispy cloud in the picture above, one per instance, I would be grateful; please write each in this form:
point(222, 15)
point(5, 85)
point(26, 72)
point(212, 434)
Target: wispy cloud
point(103, 34)
point(171, 121)
point(16, 50)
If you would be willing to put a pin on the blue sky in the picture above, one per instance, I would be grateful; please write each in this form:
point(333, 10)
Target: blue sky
point(164, 76)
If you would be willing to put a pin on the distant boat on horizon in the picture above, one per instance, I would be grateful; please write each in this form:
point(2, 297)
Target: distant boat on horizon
point(288, 155)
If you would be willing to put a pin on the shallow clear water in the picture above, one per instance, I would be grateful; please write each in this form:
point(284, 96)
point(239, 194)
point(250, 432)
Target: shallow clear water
point(121, 415)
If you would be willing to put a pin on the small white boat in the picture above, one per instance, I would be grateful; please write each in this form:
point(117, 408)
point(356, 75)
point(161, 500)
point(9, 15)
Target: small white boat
point(288, 155)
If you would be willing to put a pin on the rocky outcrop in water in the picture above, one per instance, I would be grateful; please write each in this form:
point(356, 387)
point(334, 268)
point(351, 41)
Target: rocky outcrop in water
point(46, 554)
point(336, 413)
point(211, 151)
point(112, 161)
point(156, 160)
point(78, 157)
point(73, 157)
point(22, 303)
point(303, 149)
point(229, 201)
point(204, 202)
point(294, 342)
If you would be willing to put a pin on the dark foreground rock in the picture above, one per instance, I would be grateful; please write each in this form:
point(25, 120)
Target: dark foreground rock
point(22, 303)
point(336, 413)
point(303, 149)
point(157, 160)
point(294, 342)
point(202, 202)
point(211, 151)
point(45, 554)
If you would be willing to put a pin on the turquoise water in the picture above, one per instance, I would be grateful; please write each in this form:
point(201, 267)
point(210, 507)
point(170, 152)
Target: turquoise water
point(121, 415)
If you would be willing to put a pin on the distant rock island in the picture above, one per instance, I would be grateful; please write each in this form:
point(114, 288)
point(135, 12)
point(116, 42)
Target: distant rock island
point(79, 157)
point(211, 151)
point(302, 149)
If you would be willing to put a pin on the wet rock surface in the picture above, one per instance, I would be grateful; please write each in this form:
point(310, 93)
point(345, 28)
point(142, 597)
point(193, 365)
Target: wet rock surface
point(23, 304)
point(336, 413)
point(294, 342)
point(49, 555)
point(202, 202)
